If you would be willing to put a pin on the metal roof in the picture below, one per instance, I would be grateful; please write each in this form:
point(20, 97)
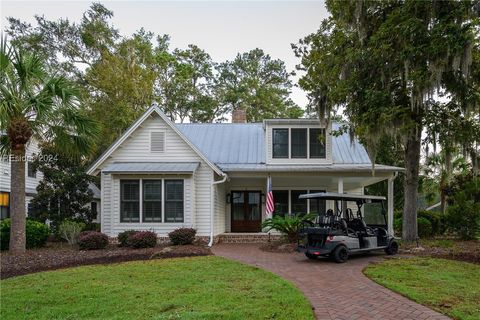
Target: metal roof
point(244, 143)
point(261, 167)
point(341, 196)
point(151, 167)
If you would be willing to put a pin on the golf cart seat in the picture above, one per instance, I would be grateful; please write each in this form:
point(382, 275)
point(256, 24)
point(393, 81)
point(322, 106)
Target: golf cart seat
point(360, 227)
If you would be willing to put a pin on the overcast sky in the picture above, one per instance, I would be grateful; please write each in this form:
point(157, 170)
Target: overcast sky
point(222, 28)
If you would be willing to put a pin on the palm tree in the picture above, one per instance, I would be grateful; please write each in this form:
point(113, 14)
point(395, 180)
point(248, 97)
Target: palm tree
point(34, 103)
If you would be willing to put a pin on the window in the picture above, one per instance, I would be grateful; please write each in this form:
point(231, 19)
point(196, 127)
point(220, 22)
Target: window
point(93, 208)
point(130, 201)
point(31, 172)
point(157, 141)
point(322, 205)
point(298, 205)
point(4, 205)
point(299, 143)
point(280, 143)
point(280, 198)
point(173, 200)
point(152, 200)
point(317, 143)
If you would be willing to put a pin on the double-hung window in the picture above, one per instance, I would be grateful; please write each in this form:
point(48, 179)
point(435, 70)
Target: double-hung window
point(280, 143)
point(299, 143)
point(152, 200)
point(173, 200)
point(317, 143)
point(130, 201)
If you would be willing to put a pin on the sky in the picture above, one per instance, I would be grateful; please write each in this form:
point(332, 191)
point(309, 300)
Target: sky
point(221, 28)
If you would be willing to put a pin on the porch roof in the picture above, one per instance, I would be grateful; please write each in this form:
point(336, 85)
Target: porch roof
point(240, 167)
point(151, 167)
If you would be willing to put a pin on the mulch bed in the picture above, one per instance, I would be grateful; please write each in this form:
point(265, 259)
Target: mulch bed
point(60, 255)
point(468, 251)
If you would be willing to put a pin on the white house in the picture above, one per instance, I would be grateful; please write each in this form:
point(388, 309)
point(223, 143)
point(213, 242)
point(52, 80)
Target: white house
point(32, 179)
point(160, 175)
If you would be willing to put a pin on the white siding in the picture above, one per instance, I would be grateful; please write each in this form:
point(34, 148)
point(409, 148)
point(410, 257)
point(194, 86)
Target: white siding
point(137, 149)
point(268, 146)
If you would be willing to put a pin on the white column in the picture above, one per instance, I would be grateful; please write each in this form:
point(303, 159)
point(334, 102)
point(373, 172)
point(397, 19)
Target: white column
point(340, 185)
point(390, 205)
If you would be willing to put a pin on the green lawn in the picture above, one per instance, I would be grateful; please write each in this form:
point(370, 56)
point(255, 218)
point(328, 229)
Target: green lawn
point(451, 287)
point(187, 288)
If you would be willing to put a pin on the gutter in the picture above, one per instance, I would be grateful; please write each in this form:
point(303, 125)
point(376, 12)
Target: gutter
point(212, 205)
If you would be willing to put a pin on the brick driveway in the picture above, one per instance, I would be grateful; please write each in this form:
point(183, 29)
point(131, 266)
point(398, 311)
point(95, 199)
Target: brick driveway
point(336, 291)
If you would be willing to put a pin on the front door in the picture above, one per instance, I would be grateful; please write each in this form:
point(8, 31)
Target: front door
point(246, 211)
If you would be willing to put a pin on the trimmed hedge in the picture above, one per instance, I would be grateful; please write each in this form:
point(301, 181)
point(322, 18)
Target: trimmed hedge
point(182, 236)
point(424, 227)
point(92, 240)
point(143, 239)
point(36, 233)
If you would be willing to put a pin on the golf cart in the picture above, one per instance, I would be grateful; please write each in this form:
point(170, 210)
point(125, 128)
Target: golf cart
point(340, 232)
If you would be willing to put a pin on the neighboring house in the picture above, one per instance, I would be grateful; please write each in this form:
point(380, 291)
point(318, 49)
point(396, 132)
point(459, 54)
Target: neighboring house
point(31, 181)
point(161, 176)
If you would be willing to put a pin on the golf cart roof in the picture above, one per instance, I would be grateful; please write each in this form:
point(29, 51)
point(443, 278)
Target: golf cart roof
point(341, 196)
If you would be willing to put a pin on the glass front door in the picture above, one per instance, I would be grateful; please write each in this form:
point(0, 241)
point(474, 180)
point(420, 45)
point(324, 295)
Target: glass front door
point(246, 211)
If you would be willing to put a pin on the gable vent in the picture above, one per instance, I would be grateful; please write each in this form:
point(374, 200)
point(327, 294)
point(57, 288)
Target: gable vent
point(157, 141)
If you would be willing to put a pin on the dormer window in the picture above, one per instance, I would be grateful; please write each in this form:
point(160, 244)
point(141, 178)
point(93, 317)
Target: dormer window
point(298, 143)
point(280, 143)
point(317, 143)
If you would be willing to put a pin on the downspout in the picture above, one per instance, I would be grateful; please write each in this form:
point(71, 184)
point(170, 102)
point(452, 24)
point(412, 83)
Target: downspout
point(212, 205)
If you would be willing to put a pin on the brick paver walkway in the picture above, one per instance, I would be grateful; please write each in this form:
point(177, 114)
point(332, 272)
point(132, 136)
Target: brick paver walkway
point(336, 291)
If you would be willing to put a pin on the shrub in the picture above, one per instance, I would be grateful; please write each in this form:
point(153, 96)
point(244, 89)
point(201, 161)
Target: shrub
point(288, 225)
point(463, 213)
point(182, 236)
point(36, 234)
point(143, 239)
point(436, 219)
point(69, 230)
point(92, 240)
point(124, 237)
point(424, 227)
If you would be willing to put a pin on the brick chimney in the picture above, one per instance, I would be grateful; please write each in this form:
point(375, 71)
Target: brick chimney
point(239, 116)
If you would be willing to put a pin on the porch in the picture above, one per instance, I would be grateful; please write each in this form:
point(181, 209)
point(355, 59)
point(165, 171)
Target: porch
point(244, 197)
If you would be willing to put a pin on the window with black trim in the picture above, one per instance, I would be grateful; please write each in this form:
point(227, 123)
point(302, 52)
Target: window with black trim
point(299, 143)
point(4, 205)
point(31, 172)
point(130, 201)
point(280, 143)
point(298, 205)
point(280, 199)
point(317, 143)
point(152, 201)
point(173, 200)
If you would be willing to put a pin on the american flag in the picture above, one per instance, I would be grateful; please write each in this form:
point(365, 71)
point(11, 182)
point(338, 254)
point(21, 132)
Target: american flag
point(270, 203)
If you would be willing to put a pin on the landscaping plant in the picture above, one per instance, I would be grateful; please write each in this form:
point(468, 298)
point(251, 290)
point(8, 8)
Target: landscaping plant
point(182, 236)
point(288, 225)
point(70, 230)
point(92, 240)
point(36, 232)
point(124, 237)
point(143, 239)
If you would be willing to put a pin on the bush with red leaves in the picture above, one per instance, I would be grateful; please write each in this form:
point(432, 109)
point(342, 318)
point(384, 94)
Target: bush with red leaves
point(143, 239)
point(182, 236)
point(92, 240)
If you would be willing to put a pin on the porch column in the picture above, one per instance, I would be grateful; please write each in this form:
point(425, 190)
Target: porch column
point(340, 185)
point(390, 205)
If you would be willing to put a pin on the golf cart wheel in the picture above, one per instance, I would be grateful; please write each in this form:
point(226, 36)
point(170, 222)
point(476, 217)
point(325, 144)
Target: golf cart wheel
point(392, 248)
point(311, 256)
point(340, 254)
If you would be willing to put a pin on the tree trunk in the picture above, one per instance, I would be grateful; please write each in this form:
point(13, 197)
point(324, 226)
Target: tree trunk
point(17, 205)
point(412, 164)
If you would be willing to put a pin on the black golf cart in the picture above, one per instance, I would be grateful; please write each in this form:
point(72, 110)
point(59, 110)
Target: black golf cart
point(339, 232)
